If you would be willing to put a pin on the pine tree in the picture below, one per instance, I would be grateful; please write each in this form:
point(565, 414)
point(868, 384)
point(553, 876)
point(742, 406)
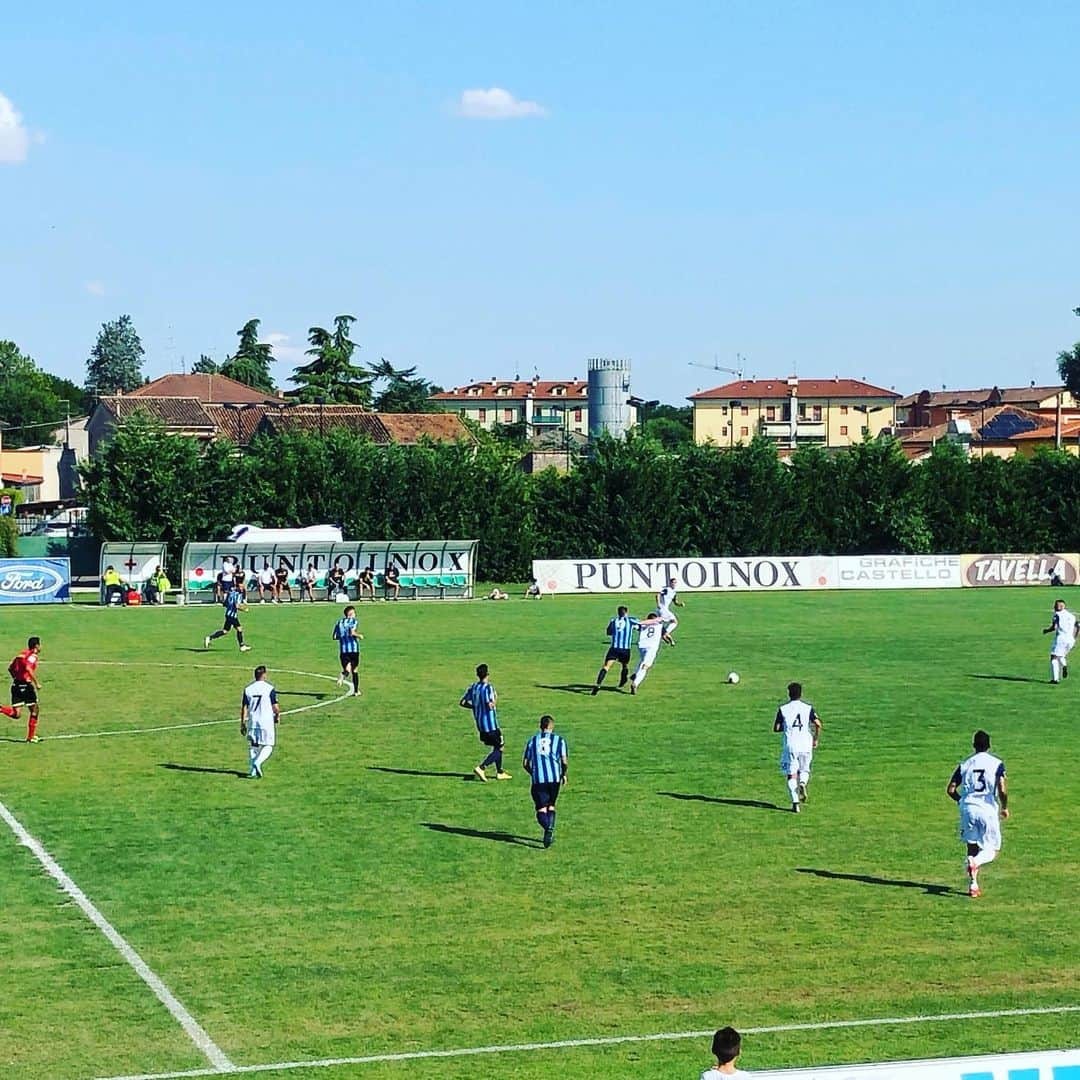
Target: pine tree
point(250, 364)
point(115, 364)
point(332, 376)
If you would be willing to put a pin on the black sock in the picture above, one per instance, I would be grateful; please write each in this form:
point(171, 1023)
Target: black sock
point(551, 819)
point(493, 756)
point(216, 634)
point(498, 761)
point(356, 681)
point(600, 675)
point(540, 815)
point(239, 637)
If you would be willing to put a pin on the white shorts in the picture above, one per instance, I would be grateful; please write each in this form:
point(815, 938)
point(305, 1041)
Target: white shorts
point(980, 825)
point(669, 620)
point(1062, 645)
point(262, 734)
point(792, 763)
point(647, 657)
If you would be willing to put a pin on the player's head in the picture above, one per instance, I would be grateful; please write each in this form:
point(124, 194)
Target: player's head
point(726, 1045)
point(1059, 604)
point(623, 609)
point(794, 690)
point(981, 742)
point(673, 582)
point(350, 611)
point(34, 644)
point(260, 672)
point(481, 671)
point(547, 722)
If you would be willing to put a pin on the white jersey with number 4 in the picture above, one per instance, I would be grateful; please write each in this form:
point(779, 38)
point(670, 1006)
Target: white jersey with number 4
point(793, 719)
point(665, 598)
point(1064, 632)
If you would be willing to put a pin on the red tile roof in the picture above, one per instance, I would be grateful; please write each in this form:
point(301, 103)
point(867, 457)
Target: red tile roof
point(539, 389)
point(20, 478)
point(778, 389)
point(1009, 395)
point(177, 412)
point(205, 388)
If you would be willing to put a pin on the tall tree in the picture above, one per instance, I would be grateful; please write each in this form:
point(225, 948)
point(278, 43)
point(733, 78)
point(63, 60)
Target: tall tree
point(205, 365)
point(331, 376)
point(402, 390)
point(115, 363)
point(250, 364)
point(28, 404)
point(1069, 366)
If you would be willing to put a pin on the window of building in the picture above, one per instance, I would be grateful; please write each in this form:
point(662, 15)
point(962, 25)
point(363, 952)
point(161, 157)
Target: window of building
point(817, 413)
point(746, 410)
point(723, 410)
point(474, 390)
point(744, 431)
point(483, 415)
point(843, 410)
point(723, 430)
point(558, 391)
point(802, 412)
point(508, 416)
point(770, 412)
point(843, 429)
point(504, 391)
point(577, 416)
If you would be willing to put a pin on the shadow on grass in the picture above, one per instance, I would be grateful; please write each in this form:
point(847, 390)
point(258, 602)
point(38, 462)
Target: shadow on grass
point(867, 879)
point(13, 738)
point(417, 772)
point(303, 693)
point(577, 688)
point(752, 804)
point(199, 769)
point(481, 834)
point(1008, 678)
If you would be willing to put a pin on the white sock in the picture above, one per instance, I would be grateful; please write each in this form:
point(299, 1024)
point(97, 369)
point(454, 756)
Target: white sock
point(639, 676)
point(263, 754)
point(804, 778)
point(985, 855)
point(793, 787)
point(1055, 669)
point(252, 753)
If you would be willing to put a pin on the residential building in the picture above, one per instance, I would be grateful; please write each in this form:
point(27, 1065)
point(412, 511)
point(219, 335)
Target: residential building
point(793, 412)
point(928, 408)
point(209, 389)
point(536, 403)
point(993, 431)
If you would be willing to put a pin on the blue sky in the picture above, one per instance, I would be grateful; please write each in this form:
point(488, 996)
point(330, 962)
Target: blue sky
point(872, 190)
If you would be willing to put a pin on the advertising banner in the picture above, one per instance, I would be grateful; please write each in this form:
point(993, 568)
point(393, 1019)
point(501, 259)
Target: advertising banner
point(426, 568)
point(778, 573)
point(1037, 1065)
point(35, 581)
point(1043, 569)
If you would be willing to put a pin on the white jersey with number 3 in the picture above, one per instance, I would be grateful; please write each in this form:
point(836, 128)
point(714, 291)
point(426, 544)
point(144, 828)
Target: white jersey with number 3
point(794, 720)
point(1064, 622)
point(977, 779)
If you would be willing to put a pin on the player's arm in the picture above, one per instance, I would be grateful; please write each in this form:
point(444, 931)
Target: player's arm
point(1053, 624)
point(677, 602)
point(564, 763)
point(466, 700)
point(778, 723)
point(243, 715)
point(815, 727)
point(610, 627)
point(953, 790)
point(1002, 792)
point(275, 706)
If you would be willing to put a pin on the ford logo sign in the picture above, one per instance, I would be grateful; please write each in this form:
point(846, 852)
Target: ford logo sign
point(29, 581)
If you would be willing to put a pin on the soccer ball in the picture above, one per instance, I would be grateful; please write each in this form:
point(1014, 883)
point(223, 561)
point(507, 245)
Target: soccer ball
point(733, 677)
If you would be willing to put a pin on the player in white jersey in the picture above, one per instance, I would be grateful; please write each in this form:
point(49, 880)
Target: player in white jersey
point(650, 634)
point(666, 599)
point(259, 713)
point(1063, 626)
point(978, 785)
point(799, 724)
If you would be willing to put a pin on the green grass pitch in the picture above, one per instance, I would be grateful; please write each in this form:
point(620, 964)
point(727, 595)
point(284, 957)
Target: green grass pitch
point(367, 898)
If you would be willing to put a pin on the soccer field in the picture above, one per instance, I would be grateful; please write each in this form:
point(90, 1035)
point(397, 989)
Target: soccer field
point(369, 897)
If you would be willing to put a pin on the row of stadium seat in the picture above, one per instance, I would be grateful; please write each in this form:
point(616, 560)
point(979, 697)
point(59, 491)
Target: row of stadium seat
point(433, 581)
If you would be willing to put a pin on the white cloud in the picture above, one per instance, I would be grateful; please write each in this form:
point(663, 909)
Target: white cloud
point(14, 138)
point(496, 104)
point(282, 349)
point(95, 288)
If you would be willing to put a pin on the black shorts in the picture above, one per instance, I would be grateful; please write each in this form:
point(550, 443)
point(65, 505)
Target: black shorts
point(622, 655)
point(544, 794)
point(232, 622)
point(348, 658)
point(494, 739)
point(23, 693)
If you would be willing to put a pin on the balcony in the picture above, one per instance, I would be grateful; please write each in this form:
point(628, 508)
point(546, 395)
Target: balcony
point(556, 419)
point(805, 431)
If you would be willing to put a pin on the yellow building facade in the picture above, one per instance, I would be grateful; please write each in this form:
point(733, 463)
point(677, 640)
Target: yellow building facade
point(793, 412)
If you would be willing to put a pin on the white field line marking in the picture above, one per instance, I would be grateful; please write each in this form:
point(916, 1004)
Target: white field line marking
point(198, 723)
point(613, 1040)
point(213, 1053)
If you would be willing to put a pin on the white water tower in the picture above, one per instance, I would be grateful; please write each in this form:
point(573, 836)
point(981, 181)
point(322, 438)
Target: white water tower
point(609, 388)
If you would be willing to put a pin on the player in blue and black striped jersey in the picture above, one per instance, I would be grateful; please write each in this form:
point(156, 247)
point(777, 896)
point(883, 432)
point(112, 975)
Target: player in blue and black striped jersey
point(545, 762)
point(345, 634)
point(233, 604)
point(482, 699)
point(621, 631)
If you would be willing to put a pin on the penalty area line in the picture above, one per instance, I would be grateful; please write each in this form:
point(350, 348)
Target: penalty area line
point(608, 1040)
point(194, 1031)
